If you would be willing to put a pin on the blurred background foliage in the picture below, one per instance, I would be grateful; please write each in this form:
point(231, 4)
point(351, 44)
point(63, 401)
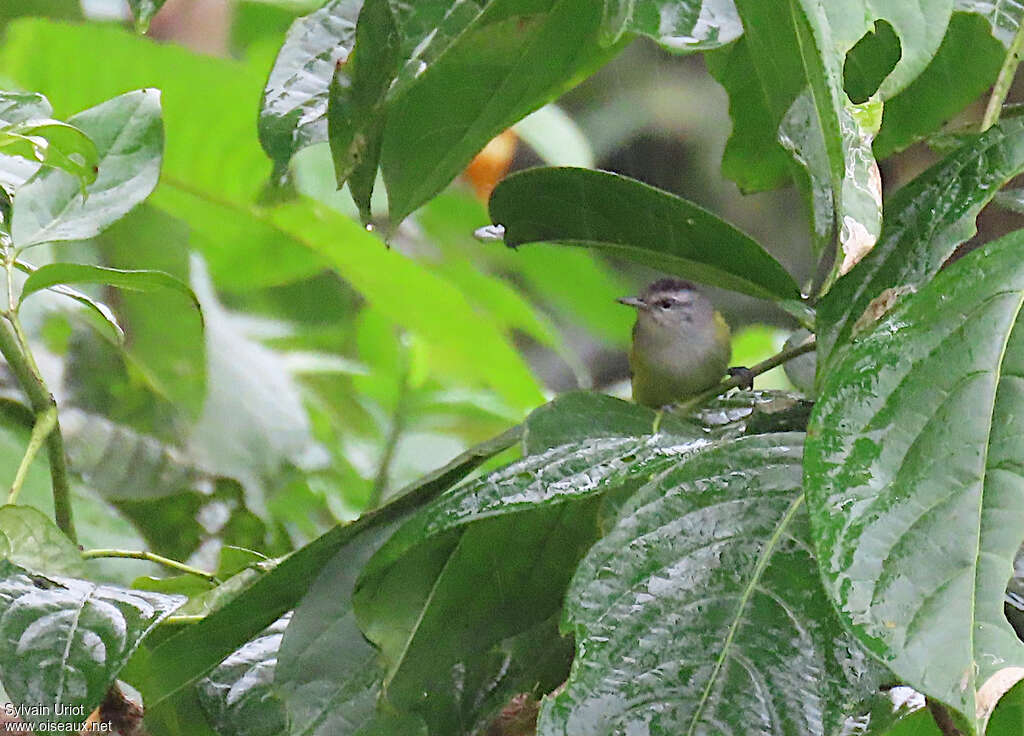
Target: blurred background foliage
point(332, 370)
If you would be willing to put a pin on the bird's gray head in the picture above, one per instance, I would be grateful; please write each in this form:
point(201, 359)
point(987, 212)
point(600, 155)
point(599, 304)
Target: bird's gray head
point(671, 303)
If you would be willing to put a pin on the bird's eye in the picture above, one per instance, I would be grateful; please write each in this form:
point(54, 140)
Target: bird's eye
point(665, 303)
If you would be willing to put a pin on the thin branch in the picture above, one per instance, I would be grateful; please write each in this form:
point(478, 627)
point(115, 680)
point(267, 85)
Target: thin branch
point(764, 366)
point(942, 718)
point(44, 425)
point(125, 554)
point(398, 417)
point(1003, 82)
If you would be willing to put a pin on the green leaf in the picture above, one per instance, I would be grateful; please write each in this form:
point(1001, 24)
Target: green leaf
point(54, 274)
point(924, 223)
point(238, 696)
point(63, 641)
point(184, 658)
point(356, 109)
point(128, 133)
point(912, 473)
point(30, 539)
point(630, 219)
point(17, 107)
point(431, 599)
point(701, 610)
point(514, 57)
point(679, 27)
point(293, 113)
point(1003, 17)
point(99, 308)
point(964, 67)
point(580, 415)
point(144, 10)
point(328, 675)
point(53, 143)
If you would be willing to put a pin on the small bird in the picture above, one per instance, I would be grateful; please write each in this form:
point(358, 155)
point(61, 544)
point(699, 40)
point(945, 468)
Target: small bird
point(681, 344)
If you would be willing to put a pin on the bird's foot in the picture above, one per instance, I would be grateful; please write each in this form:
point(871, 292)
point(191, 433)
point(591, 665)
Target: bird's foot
point(744, 374)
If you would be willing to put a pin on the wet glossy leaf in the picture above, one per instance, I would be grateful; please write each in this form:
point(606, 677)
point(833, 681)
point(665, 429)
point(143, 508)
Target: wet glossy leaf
point(63, 641)
point(512, 59)
point(632, 220)
point(128, 133)
point(580, 415)
point(1004, 16)
point(189, 655)
point(238, 696)
point(30, 539)
point(924, 222)
point(701, 611)
point(438, 597)
point(293, 113)
point(55, 274)
point(679, 27)
point(913, 481)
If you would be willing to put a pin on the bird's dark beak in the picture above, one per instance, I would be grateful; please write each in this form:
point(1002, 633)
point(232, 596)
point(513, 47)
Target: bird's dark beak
point(632, 301)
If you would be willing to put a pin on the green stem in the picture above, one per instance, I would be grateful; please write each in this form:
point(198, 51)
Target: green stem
point(126, 554)
point(1003, 82)
point(45, 423)
point(764, 366)
point(42, 402)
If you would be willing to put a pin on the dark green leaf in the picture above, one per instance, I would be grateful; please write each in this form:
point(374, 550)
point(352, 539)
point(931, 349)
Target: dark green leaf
point(701, 611)
point(54, 274)
point(964, 67)
point(63, 641)
point(329, 676)
point(128, 133)
point(510, 60)
point(912, 473)
point(870, 61)
point(238, 696)
point(679, 27)
point(293, 113)
point(632, 220)
point(30, 539)
point(1004, 17)
point(580, 415)
point(355, 113)
point(189, 655)
point(924, 222)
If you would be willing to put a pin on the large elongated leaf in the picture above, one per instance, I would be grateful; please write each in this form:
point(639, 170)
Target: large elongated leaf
point(701, 611)
point(913, 478)
point(54, 274)
point(129, 138)
point(63, 641)
point(632, 220)
point(924, 223)
point(438, 595)
point(184, 658)
point(515, 57)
